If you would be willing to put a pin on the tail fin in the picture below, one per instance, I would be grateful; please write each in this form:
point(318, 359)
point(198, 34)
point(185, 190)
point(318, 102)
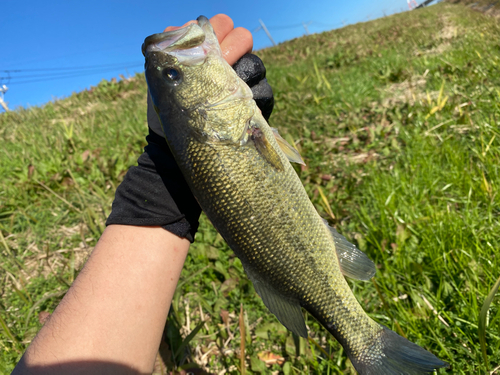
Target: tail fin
point(392, 354)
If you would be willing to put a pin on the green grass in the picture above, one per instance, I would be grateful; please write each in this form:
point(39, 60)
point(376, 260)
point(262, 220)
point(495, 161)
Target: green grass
point(398, 122)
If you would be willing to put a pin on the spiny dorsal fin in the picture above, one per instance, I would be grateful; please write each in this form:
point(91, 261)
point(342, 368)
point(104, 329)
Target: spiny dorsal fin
point(353, 262)
point(288, 311)
point(291, 152)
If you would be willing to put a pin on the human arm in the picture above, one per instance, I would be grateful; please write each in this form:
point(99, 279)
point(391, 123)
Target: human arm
point(112, 318)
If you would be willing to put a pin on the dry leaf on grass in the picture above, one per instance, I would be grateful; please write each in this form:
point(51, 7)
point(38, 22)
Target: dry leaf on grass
point(269, 358)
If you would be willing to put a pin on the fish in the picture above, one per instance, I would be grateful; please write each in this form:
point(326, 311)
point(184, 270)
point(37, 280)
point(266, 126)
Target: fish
point(239, 170)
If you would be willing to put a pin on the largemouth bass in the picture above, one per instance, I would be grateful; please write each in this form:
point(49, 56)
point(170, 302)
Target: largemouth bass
point(239, 171)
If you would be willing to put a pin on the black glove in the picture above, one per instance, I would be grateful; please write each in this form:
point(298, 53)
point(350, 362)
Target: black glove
point(155, 193)
point(251, 69)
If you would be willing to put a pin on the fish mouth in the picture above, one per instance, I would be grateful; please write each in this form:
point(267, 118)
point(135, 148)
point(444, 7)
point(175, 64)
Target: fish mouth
point(186, 43)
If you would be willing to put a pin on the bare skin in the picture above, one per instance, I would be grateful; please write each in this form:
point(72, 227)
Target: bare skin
point(112, 318)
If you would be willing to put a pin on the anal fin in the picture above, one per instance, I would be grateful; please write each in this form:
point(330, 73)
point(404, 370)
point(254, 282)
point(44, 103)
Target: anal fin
point(288, 311)
point(353, 262)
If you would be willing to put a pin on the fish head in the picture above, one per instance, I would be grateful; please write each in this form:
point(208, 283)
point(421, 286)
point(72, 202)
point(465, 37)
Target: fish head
point(188, 78)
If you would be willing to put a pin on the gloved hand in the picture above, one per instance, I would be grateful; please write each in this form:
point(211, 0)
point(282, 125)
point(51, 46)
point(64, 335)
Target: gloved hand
point(155, 193)
point(251, 69)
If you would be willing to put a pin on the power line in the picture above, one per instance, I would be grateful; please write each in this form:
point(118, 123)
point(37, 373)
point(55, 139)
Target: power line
point(328, 24)
point(64, 56)
point(67, 68)
point(72, 75)
point(54, 73)
point(303, 24)
point(284, 27)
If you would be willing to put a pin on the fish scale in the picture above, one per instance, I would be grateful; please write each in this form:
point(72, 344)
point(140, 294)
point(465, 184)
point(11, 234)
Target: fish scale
point(238, 169)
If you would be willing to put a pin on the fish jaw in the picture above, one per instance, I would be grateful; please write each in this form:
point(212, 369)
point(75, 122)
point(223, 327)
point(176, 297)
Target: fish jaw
point(182, 38)
point(189, 45)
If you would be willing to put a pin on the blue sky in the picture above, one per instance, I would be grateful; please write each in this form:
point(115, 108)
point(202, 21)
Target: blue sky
point(91, 40)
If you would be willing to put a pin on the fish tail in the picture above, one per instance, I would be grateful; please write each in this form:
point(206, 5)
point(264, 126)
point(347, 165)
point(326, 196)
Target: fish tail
point(391, 354)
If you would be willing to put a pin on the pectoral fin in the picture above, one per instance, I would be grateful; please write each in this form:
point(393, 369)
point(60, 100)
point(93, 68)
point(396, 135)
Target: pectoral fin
point(288, 311)
point(353, 262)
point(291, 152)
point(265, 148)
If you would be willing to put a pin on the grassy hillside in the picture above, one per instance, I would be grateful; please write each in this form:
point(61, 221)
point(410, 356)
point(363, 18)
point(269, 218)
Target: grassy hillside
point(491, 8)
point(397, 120)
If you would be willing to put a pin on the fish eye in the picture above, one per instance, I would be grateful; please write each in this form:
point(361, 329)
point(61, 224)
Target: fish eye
point(173, 75)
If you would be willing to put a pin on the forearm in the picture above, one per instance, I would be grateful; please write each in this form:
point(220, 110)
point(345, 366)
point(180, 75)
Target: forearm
point(116, 309)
